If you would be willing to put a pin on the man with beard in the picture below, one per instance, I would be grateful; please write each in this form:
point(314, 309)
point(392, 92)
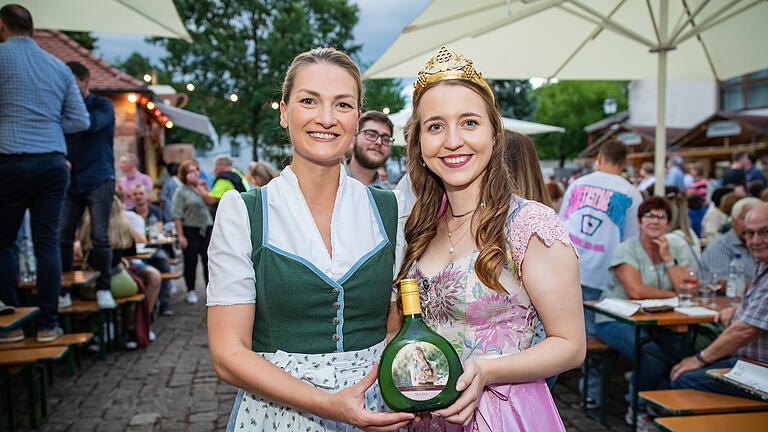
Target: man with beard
point(371, 148)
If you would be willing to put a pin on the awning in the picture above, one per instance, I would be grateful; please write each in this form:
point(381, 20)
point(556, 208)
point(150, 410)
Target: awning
point(190, 120)
point(142, 17)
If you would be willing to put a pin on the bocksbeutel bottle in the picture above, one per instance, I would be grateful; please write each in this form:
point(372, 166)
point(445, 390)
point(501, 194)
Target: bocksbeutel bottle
point(418, 368)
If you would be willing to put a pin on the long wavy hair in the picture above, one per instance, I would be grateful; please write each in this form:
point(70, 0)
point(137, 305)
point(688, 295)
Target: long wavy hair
point(491, 208)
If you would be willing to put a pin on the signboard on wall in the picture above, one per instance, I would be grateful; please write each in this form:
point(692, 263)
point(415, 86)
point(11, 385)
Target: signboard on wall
point(723, 129)
point(629, 138)
point(178, 152)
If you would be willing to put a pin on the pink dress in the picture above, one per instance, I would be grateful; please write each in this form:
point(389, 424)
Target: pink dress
point(482, 323)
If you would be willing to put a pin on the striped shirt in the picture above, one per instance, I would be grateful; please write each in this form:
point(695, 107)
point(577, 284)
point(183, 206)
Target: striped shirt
point(754, 311)
point(40, 100)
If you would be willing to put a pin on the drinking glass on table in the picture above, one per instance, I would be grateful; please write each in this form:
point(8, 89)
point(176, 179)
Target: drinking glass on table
point(714, 284)
point(687, 289)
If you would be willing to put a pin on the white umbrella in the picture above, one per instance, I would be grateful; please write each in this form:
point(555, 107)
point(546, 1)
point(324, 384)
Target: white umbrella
point(596, 39)
point(525, 127)
point(142, 17)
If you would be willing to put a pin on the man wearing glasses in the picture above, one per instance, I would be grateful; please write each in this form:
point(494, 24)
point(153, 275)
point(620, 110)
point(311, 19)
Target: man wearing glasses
point(371, 148)
point(746, 326)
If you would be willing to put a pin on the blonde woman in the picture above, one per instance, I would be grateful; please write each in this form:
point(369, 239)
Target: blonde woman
point(302, 268)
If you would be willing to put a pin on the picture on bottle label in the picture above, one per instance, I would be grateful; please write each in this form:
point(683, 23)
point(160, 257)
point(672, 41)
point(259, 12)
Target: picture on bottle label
point(420, 371)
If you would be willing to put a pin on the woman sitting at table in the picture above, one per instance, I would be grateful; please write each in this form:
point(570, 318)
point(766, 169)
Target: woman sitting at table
point(645, 267)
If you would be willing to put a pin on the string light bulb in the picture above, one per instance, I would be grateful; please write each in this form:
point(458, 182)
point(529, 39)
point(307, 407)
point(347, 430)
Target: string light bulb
point(233, 97)
point(275, 105)
point(147, 77)
point(190, 87)
point(150, 105)
point(132, 98)
point(169, 124)
point(385, 110)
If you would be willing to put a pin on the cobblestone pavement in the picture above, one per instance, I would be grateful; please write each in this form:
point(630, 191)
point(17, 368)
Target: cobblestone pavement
point(171, 386)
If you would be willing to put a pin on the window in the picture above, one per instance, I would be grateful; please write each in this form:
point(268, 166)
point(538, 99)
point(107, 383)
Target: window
point(745, 92)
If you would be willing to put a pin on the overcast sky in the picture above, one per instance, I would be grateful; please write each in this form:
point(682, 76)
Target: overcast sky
point(380, 23)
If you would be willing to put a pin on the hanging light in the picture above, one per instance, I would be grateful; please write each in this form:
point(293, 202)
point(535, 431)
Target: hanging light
point(190, 87)
point(385, 110)
point(150, 105)
point(132, 98)
point(157, 113)
point(169, 124)
point(275, 105)
point(233, 97)
point(147, 77)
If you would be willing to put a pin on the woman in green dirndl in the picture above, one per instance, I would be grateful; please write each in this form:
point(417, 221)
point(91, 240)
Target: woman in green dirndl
point(301, 271)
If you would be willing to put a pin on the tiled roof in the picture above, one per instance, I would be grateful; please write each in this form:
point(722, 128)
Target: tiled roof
point(104, 76)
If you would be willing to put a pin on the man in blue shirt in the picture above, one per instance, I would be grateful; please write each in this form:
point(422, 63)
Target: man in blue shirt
point(41, 103)
point(92, 184)
point(675, 175)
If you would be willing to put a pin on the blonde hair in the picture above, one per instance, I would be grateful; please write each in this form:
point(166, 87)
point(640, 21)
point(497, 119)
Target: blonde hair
point(491, 209)
point(264, 172)
point(322, 55)
point(120, 229)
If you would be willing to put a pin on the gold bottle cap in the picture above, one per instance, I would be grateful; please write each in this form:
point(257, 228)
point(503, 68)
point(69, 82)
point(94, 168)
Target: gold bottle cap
point(409, 292)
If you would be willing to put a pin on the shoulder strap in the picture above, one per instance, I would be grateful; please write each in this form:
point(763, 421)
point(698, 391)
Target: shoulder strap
point(253, 203)
point(386, 203)
point(235, 179)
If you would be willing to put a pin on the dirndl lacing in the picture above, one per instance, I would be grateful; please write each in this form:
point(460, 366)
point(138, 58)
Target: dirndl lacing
point(329, 372)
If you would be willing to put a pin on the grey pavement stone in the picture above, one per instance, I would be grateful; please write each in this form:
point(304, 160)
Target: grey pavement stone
point(144, 419)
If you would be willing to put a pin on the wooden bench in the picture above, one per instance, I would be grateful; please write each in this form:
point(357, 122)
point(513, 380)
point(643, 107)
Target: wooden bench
point(694, 402)
point(21, 314)
point(73, 279)
point(33, 363)
point(104, 316)
point(597, 347)
point(169, 276)
point(740, 422)
point(72, 339)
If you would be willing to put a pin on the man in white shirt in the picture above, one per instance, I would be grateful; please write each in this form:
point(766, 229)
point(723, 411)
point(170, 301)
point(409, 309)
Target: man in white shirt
point(599, 211)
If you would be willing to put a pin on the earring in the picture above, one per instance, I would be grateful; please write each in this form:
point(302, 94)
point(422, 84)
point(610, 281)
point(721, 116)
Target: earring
point(423, 164)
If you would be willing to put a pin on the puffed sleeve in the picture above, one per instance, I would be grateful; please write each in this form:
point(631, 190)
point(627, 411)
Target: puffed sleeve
point(231, 276)
point(525, 221)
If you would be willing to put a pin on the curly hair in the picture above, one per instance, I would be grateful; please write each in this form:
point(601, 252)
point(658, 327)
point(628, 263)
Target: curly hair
point(491, 209)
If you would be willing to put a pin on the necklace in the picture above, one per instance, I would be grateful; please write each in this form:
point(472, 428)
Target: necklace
point(451, 232)
point(462, 215)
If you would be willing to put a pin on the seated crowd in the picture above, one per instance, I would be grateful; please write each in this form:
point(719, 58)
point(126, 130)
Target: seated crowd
point(678, 237)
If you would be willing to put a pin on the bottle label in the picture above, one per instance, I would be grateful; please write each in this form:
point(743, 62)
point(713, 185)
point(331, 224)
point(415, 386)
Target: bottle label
point(420, 371)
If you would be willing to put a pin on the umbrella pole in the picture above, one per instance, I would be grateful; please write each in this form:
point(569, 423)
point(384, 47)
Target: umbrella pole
point(661, 105)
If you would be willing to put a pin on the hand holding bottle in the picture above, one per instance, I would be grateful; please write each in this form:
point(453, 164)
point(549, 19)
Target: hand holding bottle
point(348, 406)
point(472, 382)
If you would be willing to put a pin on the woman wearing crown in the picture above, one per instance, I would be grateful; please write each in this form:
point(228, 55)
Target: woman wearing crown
point(487, 262)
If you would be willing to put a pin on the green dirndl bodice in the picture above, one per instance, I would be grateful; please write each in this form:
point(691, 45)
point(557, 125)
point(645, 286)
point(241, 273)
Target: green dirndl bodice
point(323, 331)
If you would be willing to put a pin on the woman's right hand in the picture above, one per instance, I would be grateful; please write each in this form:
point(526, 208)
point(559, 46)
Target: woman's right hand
point(663, 245)
point(182, 241)
point(348, 406)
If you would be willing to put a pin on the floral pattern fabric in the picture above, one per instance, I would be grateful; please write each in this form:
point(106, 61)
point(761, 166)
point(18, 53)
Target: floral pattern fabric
point(478, 321)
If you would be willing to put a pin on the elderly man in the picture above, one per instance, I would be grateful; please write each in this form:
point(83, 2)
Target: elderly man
point(719, 253)
point(227, 178)
point(746, 333)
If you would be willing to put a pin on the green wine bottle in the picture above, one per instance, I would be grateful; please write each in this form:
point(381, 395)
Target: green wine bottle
point(418, 368)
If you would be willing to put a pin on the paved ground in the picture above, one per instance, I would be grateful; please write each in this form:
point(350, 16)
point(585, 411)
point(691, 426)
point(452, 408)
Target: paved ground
point(171, 386)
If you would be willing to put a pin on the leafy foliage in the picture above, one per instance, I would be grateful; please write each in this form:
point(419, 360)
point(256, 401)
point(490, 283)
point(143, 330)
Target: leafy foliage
point(83, 38)
point(245, 47)
point(383, 93)
point(514, 98)
point(572, 105)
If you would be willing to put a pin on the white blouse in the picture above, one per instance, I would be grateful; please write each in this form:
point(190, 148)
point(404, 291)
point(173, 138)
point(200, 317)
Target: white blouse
point(355, 232)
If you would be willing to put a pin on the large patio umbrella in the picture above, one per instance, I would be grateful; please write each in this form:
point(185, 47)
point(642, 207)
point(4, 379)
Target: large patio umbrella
point(525, 127)
point(142, 17)
point(595, 39)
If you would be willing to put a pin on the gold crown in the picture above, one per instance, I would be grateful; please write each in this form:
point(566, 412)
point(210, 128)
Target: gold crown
point(448, 65)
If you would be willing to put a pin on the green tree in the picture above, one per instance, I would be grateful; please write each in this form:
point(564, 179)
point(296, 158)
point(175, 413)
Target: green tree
point(244, 47)
point(83, 38)
point(383, 93)
point(572, 105)
point(514, 98)
point(137, 66)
